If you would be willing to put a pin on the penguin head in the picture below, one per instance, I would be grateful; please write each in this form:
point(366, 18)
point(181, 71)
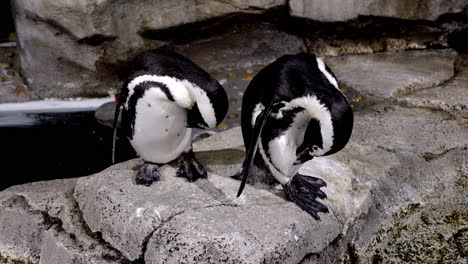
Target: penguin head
point(314, 136)
point(210, 106)
point(195, 119)
point(312, 146)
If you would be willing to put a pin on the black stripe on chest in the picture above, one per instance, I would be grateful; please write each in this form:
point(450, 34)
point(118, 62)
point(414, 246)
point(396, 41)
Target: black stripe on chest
point(129, 113)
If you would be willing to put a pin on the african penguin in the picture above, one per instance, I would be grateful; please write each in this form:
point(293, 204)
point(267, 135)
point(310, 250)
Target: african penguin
point(164, 96)
point(293, 111)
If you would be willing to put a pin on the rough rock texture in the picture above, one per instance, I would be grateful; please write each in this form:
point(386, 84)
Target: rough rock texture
point(81, 48)
point(386, 75)
point(338, 10)
point(450, 97)
point(75, 48)
point(397, 193)
point(176, 221)
point(41, 223)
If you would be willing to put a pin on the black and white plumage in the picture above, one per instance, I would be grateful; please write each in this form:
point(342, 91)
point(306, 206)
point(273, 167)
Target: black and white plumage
point(293, 111)
point(164, 96)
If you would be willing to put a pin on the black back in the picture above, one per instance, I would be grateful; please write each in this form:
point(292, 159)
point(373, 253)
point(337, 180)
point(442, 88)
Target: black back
point(288, 78)
point(167, 63)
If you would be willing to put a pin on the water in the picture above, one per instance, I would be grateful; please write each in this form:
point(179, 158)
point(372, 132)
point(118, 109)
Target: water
point(60, 144)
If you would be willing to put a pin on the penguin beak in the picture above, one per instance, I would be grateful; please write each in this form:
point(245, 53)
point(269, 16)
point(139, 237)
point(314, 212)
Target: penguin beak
point(304, 156)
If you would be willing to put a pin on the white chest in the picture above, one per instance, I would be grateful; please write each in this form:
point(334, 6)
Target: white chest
point(160, 132)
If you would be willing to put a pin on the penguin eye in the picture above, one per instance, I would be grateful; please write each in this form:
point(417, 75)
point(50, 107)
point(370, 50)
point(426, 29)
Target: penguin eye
point(315, 148)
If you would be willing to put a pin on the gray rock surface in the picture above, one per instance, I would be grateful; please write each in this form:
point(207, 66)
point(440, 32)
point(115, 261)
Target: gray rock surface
point(450, 97)
point(81, 48)
point(386, 75)
point(76, 49)
point(176, 221)
point(337, 10)
point(396, 193)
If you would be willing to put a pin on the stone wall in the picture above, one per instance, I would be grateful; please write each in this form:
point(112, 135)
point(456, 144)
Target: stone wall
point(338, 10)
point(79, 48)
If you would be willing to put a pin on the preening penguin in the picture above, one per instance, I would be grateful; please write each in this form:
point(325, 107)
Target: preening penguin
point(164, 96)
point(293, 111)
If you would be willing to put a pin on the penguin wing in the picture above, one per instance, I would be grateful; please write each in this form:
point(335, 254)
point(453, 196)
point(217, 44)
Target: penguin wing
point(120, 98)
point(254, 141)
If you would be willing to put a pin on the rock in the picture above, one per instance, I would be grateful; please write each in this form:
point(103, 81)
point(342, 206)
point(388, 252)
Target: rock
point(415, 130)
point(230, 139)
point(396, 193)
point(387, 75)
point(78, 49)
point(251, 45)
point(160, 221)
point(450, 97)
point(105, 114)
point(40, 223)
point(336, 10)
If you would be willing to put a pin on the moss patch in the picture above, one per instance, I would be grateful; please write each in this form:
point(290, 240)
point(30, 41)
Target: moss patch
point(431, 234)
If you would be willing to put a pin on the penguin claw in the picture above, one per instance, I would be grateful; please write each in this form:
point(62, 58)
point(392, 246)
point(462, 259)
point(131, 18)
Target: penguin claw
point(147, 174)
point(303, 190)
point(313, 180)
point(190, 168)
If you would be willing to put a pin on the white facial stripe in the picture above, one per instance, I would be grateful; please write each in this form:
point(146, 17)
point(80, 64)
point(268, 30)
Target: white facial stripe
point(204, 103)
point(257, 110)
point(178, 91)
point(185, 94)
point(318, 111)
point(323, 69)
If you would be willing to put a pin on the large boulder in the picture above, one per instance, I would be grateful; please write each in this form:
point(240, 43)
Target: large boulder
point(338, 10)
point(388, 75)
point(76, 48)
point(396, 193)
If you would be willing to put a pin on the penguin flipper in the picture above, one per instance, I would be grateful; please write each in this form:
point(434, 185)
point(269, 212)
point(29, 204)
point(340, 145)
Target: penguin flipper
point(254, 141)
point(118, 107)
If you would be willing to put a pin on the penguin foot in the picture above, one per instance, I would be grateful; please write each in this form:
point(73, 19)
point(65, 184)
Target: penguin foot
point(303, 190)
point(148, 174)
point(237, 176)
point(190, 168)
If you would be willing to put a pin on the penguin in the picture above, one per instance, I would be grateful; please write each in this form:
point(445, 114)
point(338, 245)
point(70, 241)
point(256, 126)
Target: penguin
point(164, 96)
point(293, 111)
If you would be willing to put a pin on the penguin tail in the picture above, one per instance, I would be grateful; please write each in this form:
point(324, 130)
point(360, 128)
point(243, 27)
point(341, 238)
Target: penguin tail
point(254, 141)
point(118, 107)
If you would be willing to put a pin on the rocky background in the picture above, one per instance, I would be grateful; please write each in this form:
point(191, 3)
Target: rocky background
point(397, 193)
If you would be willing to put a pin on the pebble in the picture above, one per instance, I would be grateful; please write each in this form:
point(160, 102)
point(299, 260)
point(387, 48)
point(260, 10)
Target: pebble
point(223, 126)
point(19, 90)
point(232, 116)
point(5, 65)
point(9, 54)
point(247, 78)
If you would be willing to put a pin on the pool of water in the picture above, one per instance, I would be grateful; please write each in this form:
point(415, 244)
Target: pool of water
point(53, 145)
